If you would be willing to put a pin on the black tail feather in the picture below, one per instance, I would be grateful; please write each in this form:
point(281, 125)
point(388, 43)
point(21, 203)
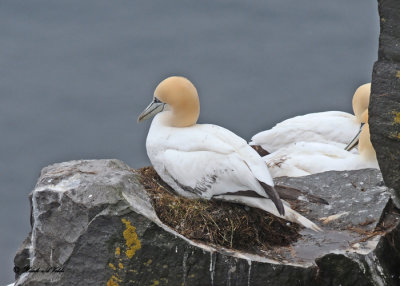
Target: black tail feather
point(274, 196)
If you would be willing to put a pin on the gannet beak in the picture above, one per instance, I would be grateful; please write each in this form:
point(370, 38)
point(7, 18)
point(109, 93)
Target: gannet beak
point(154, 107)
point(354, 142)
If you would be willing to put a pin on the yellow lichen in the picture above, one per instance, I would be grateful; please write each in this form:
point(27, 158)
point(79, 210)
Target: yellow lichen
point(132, 242)
point(148, 262)
point(155, 283)
point(398, 74)
point(113, 281)
point(132, 245)
point(117, 251)
point(396, 117)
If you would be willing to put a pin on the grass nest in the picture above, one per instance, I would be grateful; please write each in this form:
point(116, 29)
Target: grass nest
point(221, 223)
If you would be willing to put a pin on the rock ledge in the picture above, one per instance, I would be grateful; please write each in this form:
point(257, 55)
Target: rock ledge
point(93, 224)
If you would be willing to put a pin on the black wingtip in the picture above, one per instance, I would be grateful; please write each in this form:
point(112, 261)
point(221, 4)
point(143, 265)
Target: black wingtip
point(262, 152)
point(274, 196)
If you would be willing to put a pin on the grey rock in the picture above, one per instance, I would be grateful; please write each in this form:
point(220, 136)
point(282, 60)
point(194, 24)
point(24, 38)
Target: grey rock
point(93, 224)
point(357, 197)
point(384, 109)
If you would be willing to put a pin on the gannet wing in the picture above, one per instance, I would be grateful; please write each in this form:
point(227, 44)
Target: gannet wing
point(207, 160)
point(326, 127)
point(207, 174)
point(248, 155)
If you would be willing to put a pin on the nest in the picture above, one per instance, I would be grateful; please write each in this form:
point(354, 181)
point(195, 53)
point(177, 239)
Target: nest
point(220, 223)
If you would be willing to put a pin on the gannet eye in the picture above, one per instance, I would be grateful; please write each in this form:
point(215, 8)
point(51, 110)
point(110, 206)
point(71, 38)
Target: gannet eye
point(156, 100)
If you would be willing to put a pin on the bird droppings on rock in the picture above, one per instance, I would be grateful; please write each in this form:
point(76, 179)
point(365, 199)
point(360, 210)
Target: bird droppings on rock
point(220, 223)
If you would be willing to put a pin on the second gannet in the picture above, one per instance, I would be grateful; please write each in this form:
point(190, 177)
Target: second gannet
point(204, 160)
point(332, 127)
point(306, 158)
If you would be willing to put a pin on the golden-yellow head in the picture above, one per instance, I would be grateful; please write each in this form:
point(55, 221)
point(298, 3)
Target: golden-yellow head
point(179, 95)
point(361, 101)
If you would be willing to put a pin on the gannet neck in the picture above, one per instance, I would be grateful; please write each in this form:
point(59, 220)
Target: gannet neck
point(182, 98)
point(364, 117)
point(367, 151)
point(361, 101)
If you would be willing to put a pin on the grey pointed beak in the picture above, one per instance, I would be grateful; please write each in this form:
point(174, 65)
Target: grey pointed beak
point(355, 140)
point(151, 110)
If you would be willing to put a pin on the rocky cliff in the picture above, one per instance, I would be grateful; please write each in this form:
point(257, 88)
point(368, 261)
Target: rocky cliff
point(93, 223)
point(384, 107)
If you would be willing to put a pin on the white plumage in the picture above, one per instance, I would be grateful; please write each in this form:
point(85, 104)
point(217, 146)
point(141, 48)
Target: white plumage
point(306, 158)
point(332, 127)
point(208, 161)
point(204, 160)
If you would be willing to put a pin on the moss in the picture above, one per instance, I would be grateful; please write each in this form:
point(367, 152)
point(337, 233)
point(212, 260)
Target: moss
point(220, 223)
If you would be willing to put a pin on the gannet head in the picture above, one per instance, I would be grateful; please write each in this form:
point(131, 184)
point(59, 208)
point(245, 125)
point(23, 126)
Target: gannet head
point(178, 95)
point(361, 101)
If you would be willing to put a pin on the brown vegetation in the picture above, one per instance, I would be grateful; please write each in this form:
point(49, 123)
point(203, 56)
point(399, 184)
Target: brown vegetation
point(220, 223)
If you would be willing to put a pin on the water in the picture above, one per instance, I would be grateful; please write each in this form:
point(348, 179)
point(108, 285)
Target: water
point(75, 75)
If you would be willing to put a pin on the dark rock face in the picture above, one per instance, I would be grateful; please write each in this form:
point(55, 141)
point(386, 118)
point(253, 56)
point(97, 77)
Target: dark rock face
point(93, 224)
point(384, 109)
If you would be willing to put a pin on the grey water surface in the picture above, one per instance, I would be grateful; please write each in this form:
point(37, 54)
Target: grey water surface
point(74, 76)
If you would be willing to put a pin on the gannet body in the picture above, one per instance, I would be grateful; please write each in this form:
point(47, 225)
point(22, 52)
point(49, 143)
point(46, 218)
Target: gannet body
point(204, 160)
point(331, 127)
point(306, 158)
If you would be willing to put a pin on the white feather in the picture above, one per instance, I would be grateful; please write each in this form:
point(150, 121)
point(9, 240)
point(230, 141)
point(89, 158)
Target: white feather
point(306, 158)
point(333, 127)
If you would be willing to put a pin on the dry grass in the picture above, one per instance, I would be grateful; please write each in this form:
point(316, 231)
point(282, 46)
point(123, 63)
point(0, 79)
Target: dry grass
point(220, 223)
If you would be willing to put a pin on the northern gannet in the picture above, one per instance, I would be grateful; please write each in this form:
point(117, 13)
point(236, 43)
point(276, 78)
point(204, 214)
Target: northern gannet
point(204, 160)
point(333, 127)
point(306, 158)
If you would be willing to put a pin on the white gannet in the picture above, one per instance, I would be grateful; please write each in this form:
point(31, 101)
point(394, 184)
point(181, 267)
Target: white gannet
point(333, 127)
point(306, 158)
point(204, 160)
